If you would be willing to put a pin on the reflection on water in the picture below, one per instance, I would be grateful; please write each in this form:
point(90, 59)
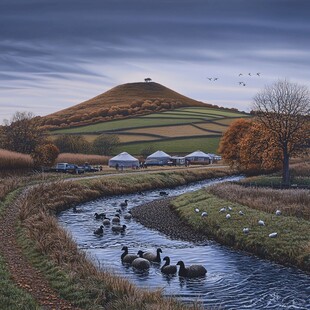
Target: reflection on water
point(234, 280)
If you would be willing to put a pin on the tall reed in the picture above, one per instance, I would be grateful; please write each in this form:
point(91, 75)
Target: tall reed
point(12, 160)
point(80, 159)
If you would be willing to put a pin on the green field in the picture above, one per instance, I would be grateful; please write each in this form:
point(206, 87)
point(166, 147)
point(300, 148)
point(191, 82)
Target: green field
point(162, 124)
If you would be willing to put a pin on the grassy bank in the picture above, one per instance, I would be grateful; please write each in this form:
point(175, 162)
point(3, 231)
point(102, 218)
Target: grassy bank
point(68, 269)
point(290, 247)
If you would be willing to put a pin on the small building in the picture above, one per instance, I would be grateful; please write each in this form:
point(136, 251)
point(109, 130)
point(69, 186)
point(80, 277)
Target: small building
point(198, 157)
point(159, 158)
point(124, 160)
point(177, 161)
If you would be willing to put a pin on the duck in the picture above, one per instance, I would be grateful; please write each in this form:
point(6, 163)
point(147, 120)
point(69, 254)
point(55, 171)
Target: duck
point(141, 263)
point(116, 219)
point(192, 271)
point(152, 257)
point(261, 223)
point(128, 215)
point(99, 216)
point(167, 268)
point(124, 204)
point(119, 228)
point(99, 231)
point(127, 258)
point(106, 221)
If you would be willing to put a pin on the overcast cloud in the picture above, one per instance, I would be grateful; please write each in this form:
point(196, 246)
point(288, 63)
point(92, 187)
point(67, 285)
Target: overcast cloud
point(55, 53)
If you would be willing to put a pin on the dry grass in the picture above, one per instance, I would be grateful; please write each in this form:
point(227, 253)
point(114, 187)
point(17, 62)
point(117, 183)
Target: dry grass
point(291, 202)
point(300, 168)
point(80, 159)
point(12, 160)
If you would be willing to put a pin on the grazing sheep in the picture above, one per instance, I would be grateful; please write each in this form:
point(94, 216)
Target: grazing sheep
point(230, 208)
point(241, 213)
point(192, 271)
point(278, 212)
point(167, 268)
point(197, 210)
point(246, 230)
point(99, 216)
point(127, 258)
point(99, 231)
point(203, 214)
point(273, 235)
point(228, 216)
point(152, 257)
point(261, 223)
point(118, 228)
point(223, 210)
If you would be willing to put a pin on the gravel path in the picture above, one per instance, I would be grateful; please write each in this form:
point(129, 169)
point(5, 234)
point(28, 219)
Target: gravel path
point(23, 273)
point(158, 215)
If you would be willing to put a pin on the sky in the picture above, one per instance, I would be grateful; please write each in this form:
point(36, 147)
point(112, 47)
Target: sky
point(57, 53)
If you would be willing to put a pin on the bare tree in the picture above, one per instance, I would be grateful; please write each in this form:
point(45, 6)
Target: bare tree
point(147, 80)
point(283, 108)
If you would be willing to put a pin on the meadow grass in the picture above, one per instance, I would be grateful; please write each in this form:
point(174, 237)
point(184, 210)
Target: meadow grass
point(290, 247)
point(68, 269)
point(175, 146)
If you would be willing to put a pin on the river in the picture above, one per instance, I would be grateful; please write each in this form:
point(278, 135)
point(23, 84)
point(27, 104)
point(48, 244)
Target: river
point(235, 280)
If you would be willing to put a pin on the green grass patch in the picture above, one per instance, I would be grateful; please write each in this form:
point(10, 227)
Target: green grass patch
point(218, 112)
point(290, 247)
point(175, 146)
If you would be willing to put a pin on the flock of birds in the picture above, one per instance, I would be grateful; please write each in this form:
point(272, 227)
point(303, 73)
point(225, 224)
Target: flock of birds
point(246, 230)
point(241, 83)
point(143, 260)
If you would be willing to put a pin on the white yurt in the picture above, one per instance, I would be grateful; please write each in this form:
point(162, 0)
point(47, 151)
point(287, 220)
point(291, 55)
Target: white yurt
point(159, 156)
point(123, 160)
point(198, 157)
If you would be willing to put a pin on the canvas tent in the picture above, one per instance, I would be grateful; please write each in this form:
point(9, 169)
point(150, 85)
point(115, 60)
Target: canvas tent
point(159, 157)
point(124, 160)
point(198, 157)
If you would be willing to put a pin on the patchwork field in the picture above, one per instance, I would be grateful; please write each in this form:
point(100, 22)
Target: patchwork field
point(178, 131)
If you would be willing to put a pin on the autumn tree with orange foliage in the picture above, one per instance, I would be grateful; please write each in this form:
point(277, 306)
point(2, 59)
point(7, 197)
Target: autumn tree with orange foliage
point(249, 148)
point(45, 155)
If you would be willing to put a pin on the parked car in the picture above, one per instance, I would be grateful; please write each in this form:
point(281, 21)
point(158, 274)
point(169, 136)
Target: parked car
point(69, 168)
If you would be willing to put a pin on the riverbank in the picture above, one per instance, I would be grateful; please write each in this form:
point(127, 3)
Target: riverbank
point(290, 247)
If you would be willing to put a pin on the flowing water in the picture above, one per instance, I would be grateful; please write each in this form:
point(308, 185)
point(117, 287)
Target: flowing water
point(234, 279)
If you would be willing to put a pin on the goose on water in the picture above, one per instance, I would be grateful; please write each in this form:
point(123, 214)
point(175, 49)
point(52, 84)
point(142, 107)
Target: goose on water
point(116, 219)
point(106, 221)
point(124, 204)
point(152, 257)
point(140, 262)
point(119, 228)
point(99, 231)
point(126, 257)
point(192, 271)
point(167, 268)
point(128, 215)
point(99, 216)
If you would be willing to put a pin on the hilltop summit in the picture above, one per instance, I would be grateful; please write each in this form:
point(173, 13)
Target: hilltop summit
point(122, 101)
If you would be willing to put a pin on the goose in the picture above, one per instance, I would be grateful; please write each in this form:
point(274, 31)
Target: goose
point(128, 215)
point(167, 268)
point(152, 257)
point(246, 230)
point(278, 212)
point(99, 216)
point(261, 223)
point(140, 262)
point(119, 228)
point(191, 271)
point(228, 216)
point(162, 193)
point(127, 258)
point(203, 214)
point(124, 204)
point(99, 231)
point(116, 219)
point(273, 235)
point(197, 210)
point(241, 213)
point(106, 221)
point(119, 211)
point(222, 210)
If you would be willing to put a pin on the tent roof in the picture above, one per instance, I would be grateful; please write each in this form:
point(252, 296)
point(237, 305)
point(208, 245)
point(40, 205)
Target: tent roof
point(198, 154)
point(124, 156)
point(159, 154)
